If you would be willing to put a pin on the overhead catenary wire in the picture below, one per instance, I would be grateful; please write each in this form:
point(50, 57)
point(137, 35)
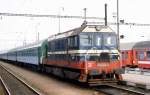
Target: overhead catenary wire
point(67, 16)
point(52, 16)
point(130, 23)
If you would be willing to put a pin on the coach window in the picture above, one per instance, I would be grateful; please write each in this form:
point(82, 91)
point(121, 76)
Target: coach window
point(141, 55)
point(148, 55)
point(126, 55)
point(136, 54)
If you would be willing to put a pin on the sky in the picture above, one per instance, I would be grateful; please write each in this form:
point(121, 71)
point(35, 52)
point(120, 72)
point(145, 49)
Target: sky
point(16, 31)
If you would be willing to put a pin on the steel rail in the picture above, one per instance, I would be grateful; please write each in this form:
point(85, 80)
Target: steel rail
point(114, 89)
point(5, 86)
point(117, 91)
point(22, 81)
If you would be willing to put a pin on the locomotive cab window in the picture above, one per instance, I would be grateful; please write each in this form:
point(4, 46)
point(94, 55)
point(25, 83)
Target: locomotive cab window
point(98, 40)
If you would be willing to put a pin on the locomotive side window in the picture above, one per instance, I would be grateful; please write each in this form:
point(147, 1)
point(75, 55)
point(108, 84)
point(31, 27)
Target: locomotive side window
point(148, 55)
point(73, 42)
point(86, 40)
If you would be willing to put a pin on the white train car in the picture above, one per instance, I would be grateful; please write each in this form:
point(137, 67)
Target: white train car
point(3, 55)
point(29, 54)
point(12, 55)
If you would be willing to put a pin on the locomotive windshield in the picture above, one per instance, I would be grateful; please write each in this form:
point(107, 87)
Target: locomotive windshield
point(109, 40)
point(98, 40)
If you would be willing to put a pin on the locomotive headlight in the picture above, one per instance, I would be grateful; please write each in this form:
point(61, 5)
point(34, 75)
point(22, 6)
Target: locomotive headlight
point(98, 28)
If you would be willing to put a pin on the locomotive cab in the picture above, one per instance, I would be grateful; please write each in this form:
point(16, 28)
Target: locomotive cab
point(99, 52)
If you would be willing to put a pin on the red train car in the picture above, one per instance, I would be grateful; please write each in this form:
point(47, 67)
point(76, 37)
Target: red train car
point(127, 55)
point(136, 54)
point(141, 53)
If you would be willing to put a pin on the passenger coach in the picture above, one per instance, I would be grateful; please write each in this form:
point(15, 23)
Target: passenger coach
point(141, 53)
point(136, 54)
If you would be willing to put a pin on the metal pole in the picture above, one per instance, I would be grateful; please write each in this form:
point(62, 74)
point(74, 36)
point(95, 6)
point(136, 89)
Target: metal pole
point(85, 14)
point(37, 32)
point(105, 14)
point(59, 22)
point(118, 31)
point(59, 18)
point(38, 36)
point(118, 37)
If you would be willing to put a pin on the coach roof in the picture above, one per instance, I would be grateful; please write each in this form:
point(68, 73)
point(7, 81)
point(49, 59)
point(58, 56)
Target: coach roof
point(142, 44)
point(127, 46)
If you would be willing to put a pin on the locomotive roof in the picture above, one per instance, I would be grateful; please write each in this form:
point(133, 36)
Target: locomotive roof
point(142, 44)
point(127, 46)
point(85, 27)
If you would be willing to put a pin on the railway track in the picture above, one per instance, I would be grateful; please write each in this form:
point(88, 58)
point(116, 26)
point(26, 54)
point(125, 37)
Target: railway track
point(14, 85)
point(114, 89)
point(3, 88)
point(106, 88)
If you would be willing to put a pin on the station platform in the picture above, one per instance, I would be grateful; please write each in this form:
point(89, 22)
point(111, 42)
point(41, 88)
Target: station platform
point(137, 77)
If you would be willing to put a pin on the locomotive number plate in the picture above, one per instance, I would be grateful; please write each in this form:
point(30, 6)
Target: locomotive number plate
point(102, 65)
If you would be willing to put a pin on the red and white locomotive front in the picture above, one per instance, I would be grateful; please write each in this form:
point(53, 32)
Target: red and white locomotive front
point(98, 52)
